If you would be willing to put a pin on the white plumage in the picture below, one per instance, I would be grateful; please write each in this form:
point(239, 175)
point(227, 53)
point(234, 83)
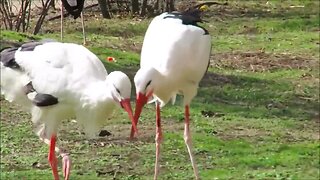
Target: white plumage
point(174, 58)
point(75, 8)
point(75, 77)
point(178, 52)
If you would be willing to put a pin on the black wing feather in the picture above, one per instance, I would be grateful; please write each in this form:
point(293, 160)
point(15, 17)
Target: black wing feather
point(192, 16)
point(75, 11)
point(7, 57)
point(45, 100)
point(188, 19)
point(29, 46)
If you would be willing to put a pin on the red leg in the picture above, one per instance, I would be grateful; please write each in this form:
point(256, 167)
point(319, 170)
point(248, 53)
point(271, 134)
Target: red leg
point(188, 141)
point(132, 130)
point(66, 164)
point(158, 140)
point(52, 157)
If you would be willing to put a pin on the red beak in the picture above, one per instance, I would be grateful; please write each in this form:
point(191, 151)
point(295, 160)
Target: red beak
point(140, 102)
point(125, 104)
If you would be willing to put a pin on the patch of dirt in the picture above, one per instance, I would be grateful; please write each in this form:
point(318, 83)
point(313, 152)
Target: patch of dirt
point(11, 113)
point(211, 79)
point(243, 132)
point(146, 131)
point(120, 135)
point(305, 132)
point(125, 45)
point(249, 9)
point(261, 61)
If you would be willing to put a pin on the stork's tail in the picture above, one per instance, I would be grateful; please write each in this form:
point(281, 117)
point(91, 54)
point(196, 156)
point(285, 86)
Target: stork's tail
point(197, 10)
point(204, 6)
point(73, 9)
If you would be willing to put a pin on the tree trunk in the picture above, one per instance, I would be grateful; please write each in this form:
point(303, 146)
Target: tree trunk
point(53, 4)
point(42, 16)
point(143, 8)
point(135, 6)
point(156, 5)
point(6, 13)
point(104, 9)
point(172, 5)
point(169, 5)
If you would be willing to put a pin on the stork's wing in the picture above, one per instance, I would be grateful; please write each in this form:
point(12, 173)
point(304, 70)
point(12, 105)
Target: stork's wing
point(12, 78)
point(60, 68)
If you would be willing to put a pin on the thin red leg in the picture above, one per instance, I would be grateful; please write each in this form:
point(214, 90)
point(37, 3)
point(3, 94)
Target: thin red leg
point(188, 141)
point(66, 164)
point(132, 129)
point(132, 133)
point(52, 157)
point(158, 140)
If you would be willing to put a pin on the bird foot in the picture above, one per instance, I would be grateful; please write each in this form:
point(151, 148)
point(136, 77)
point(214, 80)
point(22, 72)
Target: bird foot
point(66, 164)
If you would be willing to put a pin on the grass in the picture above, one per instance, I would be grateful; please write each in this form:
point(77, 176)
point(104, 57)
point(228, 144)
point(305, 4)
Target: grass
point(256, 115)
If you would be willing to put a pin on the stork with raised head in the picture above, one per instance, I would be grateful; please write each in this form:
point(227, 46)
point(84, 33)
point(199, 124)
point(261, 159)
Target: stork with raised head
point(57, 81)
point(75, 8)
point(174, 58)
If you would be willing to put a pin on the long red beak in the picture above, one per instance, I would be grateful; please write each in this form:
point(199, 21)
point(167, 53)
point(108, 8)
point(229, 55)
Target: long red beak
point(125, 104)
point(141, 100)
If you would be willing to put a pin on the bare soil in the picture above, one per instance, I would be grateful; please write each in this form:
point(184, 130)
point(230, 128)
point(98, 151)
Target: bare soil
point(261, 61)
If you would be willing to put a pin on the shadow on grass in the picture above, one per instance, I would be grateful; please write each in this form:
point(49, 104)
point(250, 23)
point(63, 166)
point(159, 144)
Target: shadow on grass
point(255, 98)
point(284, 10)
point(248, 97)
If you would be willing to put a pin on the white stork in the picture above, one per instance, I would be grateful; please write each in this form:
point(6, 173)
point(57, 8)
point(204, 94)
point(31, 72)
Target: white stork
point(75, 8)
point(174, 58)
point(57, 81)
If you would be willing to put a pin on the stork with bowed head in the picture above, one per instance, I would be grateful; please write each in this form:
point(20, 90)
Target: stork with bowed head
point(174, 58)
point(57, 81)
point(75, 8)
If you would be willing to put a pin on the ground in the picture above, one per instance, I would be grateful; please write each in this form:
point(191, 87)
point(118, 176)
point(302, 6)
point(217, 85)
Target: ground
point(256, 115)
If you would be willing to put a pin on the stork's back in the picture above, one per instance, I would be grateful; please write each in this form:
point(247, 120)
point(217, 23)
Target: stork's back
point(176, 49)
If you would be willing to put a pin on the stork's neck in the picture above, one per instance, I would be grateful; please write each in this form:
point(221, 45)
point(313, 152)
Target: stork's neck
point(97, 104)
point(165, 88)
point(98, 92)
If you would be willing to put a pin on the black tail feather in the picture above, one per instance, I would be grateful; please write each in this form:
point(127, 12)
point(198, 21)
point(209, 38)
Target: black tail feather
point(75, 11)
point(192, 15)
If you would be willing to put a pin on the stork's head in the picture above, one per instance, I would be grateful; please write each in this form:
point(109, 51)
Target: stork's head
point(146, 81)
point(120, 88)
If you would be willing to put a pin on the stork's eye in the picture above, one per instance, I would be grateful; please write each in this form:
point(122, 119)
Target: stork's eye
point(117, 89)
point(148, 84)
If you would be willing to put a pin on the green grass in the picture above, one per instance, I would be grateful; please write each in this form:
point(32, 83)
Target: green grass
point(259, 122)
